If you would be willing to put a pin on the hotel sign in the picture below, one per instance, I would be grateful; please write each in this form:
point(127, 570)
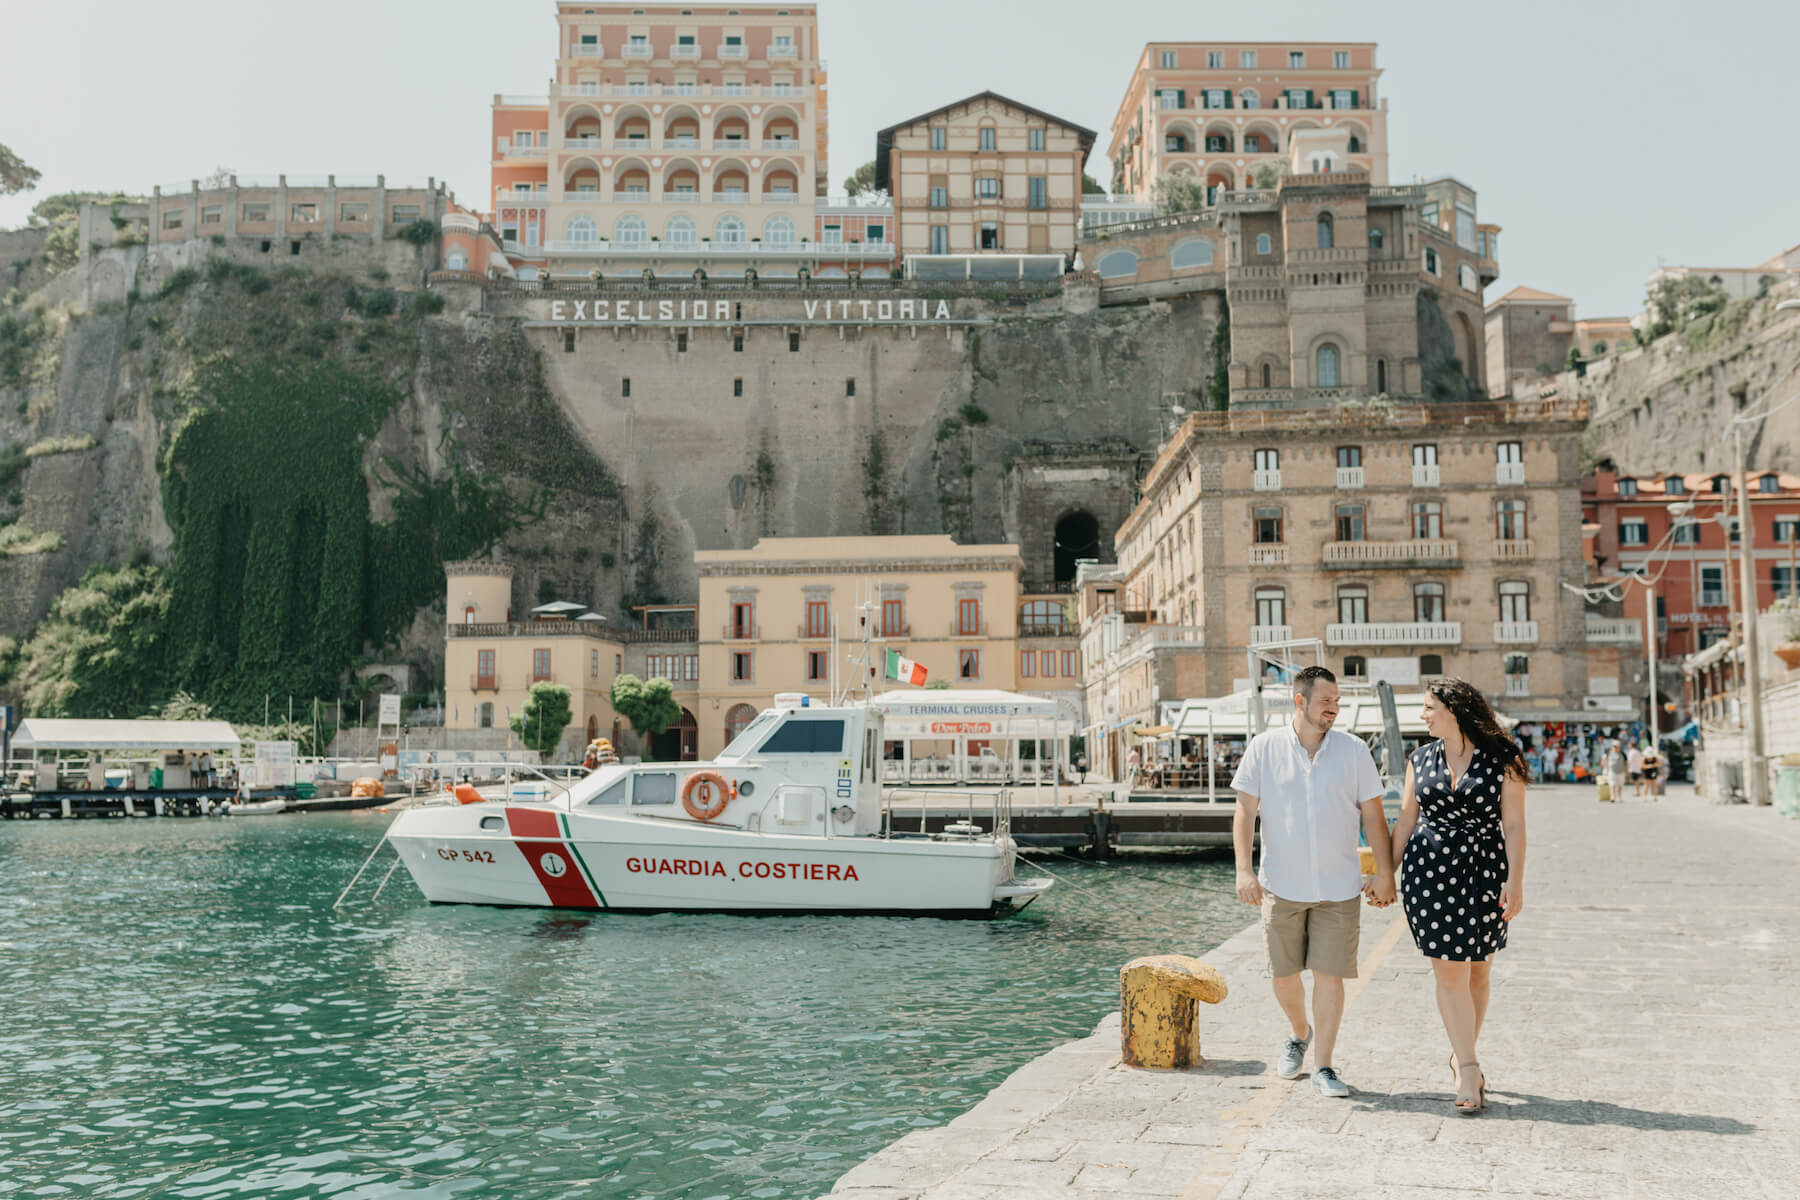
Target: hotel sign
point(715, 311)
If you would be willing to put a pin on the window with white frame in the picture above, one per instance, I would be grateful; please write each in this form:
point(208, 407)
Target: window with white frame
point(1296, 58)
point(729, 231)
point(1215, 60)
point(1165, 59)
point(1634, 533)
point(1428, 602)
point(940, 137)
point(1628, 487)
point(1712, 587)
point(631, 231)
point(778, 232)
point(682, 231)
point(1515, 600)
point(1246, 58)
point(1428, 520)
point(582, 229)
point(1340, 59)
point(1034, 139)
point(1264, 244)
point(1271, 606)
point(1353, 605)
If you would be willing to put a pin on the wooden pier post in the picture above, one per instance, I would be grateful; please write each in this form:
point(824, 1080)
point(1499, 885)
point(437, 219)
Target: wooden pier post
point(1158, 1010)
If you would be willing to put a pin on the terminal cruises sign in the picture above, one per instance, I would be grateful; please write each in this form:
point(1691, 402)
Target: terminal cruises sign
point(713, 310)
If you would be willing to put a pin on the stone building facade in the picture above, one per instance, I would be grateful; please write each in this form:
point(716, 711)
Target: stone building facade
point(984, 175)
point(1219, 111)
point(1412, 541)
point(786, 616)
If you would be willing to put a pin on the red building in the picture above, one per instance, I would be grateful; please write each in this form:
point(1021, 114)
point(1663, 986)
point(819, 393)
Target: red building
point(1695, 567)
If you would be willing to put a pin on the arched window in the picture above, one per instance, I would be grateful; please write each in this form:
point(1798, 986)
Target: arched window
point(1327, 372)
point(1118, 264)
point(1325, 231)
point(581, 228)
point(1353, 604)
point(1265, 376)
point(1381, 377)
point(632, 231)
point(1376, 237)
point(1195, 252)
point(681, 231)
point(469, 615)
point(1428, 602)
point(456, 260)
point(778, 232)
point(1355, 144)
point(738, 720)
point(729, 231)
point(1264, 245)
point(1249, 99)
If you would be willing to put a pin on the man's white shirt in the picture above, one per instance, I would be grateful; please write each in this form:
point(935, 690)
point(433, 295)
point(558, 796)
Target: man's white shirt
point(1311, 810)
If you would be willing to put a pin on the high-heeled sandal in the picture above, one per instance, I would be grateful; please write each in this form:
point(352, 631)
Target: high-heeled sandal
point(1469, 1110)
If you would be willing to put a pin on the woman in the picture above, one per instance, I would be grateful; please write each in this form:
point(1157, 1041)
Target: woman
point(1615, 772)
point(1460, 840)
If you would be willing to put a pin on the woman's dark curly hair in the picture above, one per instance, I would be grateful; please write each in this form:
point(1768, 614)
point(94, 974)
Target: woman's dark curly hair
point(1475, 717)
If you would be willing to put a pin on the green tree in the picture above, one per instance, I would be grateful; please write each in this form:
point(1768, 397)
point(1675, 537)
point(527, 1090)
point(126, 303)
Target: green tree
point(546, 714)
point(1676, 302)
point(1218, 385)
point(649, 704)
point(98, 652)
point(1574, 359)
point(861, 180)
point(15, 174)
point(1178, 194)
point(1268, 175)
point(1091, 186)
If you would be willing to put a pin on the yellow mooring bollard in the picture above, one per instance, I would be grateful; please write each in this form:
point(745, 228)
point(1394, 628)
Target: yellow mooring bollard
point(1157, 1010)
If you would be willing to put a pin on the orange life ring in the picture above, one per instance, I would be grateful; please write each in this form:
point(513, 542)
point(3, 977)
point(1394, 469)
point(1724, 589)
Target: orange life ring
point(713, 792)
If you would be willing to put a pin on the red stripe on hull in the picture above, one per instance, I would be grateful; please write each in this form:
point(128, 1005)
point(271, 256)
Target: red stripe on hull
point(554, 865)
point(531, 823)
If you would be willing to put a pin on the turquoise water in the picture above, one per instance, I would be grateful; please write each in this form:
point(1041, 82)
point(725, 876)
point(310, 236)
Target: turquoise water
point(186, 1016)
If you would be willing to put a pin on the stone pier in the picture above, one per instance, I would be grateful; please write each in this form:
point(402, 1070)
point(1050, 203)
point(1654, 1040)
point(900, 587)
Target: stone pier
point(1641, 1043)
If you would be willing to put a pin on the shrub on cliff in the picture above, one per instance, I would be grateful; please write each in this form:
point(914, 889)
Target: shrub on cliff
point(98, 653)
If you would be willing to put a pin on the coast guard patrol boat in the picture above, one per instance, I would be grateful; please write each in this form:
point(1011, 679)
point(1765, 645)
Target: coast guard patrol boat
point(790, 818)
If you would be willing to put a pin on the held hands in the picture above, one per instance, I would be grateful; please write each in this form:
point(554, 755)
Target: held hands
point(1248, 890)
point(1379, 891)
point(1512, 900)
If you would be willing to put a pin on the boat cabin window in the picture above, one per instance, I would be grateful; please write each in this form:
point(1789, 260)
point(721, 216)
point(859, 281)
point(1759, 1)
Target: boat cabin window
point(743, 742)
point(492, 822)
point(613, 793)
point(806, 737)
point(653, 787)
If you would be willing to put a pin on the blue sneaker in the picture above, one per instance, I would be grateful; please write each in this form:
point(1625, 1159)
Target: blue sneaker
point(1293, 1053)
point(1327, 1081)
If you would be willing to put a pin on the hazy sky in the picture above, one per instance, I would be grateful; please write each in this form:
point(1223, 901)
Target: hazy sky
point(1602, 136)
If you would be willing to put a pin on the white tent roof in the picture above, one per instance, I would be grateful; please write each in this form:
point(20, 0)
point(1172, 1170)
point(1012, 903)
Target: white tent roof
point(1230, 715)
point(961, 702)
point(51, 733)
point(556, 607)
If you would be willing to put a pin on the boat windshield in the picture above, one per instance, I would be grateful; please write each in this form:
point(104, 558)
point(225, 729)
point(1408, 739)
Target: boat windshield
point(743, 742)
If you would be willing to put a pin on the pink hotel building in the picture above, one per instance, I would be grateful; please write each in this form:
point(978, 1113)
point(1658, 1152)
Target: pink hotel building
point(675, 138)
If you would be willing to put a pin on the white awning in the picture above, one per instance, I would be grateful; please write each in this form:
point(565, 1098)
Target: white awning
point(54, 733)
point(955, 712)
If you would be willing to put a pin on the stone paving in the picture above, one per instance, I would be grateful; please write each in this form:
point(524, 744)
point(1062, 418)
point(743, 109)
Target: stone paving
point(1643, 1041)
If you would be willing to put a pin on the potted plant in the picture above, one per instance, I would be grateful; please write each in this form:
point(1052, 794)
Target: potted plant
point(1788, 649)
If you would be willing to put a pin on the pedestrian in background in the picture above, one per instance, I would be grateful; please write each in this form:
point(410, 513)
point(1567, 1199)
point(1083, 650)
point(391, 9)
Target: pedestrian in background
point(1615, 770)
point(1634, 766)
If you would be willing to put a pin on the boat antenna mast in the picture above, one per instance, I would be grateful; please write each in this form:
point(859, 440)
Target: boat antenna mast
point(864, 661)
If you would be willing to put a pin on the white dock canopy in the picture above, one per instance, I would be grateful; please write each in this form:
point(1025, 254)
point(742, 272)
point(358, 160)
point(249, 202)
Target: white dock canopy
point(944, 721)
point(54, 733)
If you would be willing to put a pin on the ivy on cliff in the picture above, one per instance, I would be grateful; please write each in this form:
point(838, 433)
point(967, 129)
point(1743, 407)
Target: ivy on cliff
point(97, 653)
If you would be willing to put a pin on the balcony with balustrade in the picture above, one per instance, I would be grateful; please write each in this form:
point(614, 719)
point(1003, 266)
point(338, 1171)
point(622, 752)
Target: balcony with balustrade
point(1618, 631)
point(1509, 474)
point(1263, 635)
point(1269, 554)
point(1266, 479)
point(1349, 478)
point(1418, 552)
point(1425, 475)
point(1395, 633)
point(1515, 633)
point(1513, 549)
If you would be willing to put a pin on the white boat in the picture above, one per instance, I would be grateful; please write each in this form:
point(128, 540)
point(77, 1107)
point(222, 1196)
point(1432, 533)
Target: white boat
point(790, 818)
point(254, 808)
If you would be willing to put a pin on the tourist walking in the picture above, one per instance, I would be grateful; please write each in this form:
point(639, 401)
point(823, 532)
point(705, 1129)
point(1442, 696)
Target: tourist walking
point(1311, 784)
point(1615, 771)
point(1460, 840)
point(1652, 771)
point(1634, 765)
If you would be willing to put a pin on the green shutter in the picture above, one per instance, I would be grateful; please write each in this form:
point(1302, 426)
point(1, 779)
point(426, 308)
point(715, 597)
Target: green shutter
point(1180, 97)
point(1228, 101)
point(1355, 98)
point(1309, 98)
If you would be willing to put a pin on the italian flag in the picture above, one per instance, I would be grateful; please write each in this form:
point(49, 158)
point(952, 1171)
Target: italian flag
point(904, 669)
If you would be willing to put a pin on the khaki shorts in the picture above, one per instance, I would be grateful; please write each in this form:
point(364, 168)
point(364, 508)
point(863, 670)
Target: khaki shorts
point(1319, 936)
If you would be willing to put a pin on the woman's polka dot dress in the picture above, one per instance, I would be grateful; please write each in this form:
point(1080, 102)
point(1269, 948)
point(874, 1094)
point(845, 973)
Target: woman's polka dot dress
point(1455, 860)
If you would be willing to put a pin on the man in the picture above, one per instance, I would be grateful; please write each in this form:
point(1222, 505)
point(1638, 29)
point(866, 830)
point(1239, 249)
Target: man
point(1634, 764)
point(1310, 784)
